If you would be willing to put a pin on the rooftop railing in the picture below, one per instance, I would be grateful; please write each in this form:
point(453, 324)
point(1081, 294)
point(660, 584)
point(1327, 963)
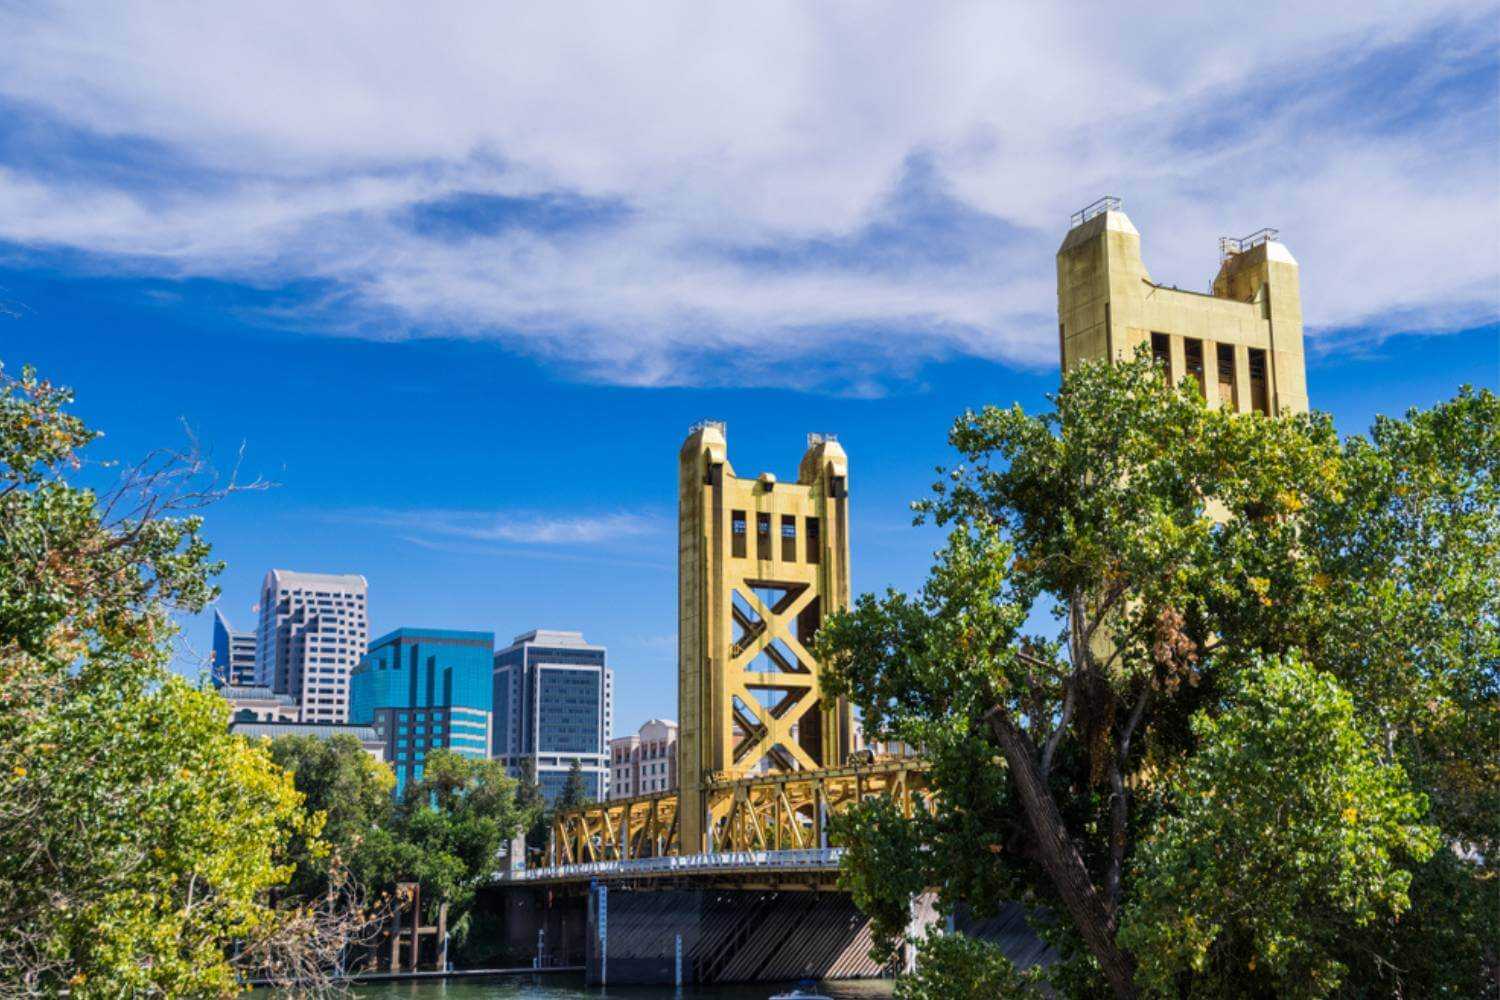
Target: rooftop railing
point(1109, 203)
point(1229, 245)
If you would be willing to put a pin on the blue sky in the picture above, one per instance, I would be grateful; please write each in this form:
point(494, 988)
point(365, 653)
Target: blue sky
point(460, 282)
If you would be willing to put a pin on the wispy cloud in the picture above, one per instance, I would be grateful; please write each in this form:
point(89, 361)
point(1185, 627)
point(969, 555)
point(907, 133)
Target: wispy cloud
point(750, 193)
point(664, 563)
point(515, 527)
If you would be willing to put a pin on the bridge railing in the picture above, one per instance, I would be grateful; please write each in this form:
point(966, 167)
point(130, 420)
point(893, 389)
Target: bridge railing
point(811, 859)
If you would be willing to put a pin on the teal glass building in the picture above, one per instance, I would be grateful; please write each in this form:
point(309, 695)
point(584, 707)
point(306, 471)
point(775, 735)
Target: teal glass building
point(425, 689)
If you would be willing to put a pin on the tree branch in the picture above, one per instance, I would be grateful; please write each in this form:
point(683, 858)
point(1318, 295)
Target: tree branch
point(1059, 855)
point(1119, 805)
point(1070, 687)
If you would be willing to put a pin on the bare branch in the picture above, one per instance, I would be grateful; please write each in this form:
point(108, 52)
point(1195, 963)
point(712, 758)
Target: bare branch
point(314, 948)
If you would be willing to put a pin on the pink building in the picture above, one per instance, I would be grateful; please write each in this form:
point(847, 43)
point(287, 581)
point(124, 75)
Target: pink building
point(644, 763)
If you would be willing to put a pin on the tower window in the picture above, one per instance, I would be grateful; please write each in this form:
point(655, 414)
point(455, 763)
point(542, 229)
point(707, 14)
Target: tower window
point(1192, 358)
point(814, 540)
point(1161, 350)
point(737, 534)
point(763, 536)
point(788, 538)
point(1226, 376)
point(1260, 395)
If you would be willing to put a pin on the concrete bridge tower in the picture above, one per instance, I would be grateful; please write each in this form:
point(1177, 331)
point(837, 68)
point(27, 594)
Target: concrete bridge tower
point(760, 563)
point(1242, 340)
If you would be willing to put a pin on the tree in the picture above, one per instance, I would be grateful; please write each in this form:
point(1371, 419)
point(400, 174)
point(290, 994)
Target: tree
point(138, 837)
point(351, 792)
point(532, 805)
point(1287, 760)
point(1179, 546)
point(450, 831)
point(574, 793)
point(1407, 602)
point(956, 967)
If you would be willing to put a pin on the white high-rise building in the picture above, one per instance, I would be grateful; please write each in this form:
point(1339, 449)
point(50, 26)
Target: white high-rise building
point(314, 628)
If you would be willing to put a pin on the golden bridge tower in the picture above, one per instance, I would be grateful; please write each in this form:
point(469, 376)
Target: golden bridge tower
point(760, 563)
point(1242, 340)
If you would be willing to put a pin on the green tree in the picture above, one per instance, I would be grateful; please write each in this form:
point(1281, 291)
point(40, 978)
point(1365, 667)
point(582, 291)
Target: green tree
point(348, 789)
point(574, 793)
point(533, 807)
point(1329, 825)
point(1407, 604)
point(1179, 546)
point(449, 832)
point(138, 838)
point(957, 967)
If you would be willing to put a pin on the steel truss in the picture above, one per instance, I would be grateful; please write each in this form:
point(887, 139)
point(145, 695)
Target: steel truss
point(776, 811)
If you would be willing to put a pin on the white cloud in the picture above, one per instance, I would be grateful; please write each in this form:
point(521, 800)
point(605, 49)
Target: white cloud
point(518, 527)
point(282, 142)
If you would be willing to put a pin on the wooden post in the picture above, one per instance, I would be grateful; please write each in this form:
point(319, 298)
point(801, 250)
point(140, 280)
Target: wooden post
point(416, 925)
point(443, 936)
point(396, 932)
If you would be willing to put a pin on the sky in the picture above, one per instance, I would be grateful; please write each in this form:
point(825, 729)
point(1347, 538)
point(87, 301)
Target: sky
point(457, 278)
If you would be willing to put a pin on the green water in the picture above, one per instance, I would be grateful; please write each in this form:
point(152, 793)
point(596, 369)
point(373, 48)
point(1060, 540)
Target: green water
point(566, 988)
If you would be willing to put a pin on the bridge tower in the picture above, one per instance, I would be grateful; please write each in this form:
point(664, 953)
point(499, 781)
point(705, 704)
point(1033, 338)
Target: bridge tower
point(1242, 340)
point(760, 563)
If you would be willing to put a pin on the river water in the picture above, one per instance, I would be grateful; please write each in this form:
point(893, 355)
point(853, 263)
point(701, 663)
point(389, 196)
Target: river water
point(555, 987)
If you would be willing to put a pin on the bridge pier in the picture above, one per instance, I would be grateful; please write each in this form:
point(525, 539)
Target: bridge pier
point(726, 935)
point(750, 916)
point(546, 924)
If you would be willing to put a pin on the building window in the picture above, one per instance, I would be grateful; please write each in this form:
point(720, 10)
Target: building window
point(1226, 376)
point(737, 533)
point(1260, 396)
point(762, 536)
point(788, 538)
point(1192, 359)
point(1161, 351)
point(814, 540)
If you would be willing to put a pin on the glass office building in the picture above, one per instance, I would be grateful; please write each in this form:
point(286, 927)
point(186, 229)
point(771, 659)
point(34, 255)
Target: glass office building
point(554, 704)
point(234, 654)
point(425, 689)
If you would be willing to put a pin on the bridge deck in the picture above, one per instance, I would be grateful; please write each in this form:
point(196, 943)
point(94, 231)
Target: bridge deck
point(813, 861)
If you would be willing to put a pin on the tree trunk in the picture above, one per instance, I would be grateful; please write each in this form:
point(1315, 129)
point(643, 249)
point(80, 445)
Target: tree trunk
point(1061, 860)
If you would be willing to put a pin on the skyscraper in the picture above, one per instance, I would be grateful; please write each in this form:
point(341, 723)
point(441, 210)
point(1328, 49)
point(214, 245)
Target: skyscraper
point(554, 704)
point(313, 629)
point(234, 654)
point(425, 689)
